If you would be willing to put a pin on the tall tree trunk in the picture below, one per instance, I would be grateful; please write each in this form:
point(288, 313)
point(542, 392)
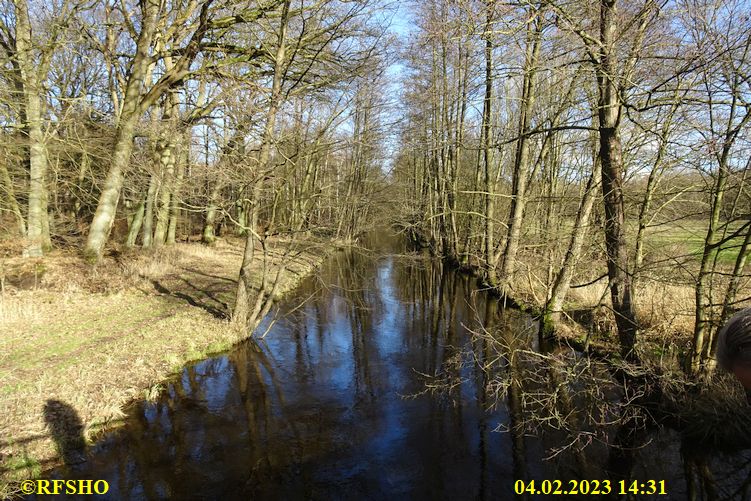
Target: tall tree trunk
point(32, 114)
point(490, 273)
point(702, 328)
point(703, 334)
point(611, 156)
point(174, 214)
point(581, 225)
point(521, 159)
point(209, 231)
point(461, 95)
point(704, 341)
point(163, 202)
point(233, 151)
point(126, 127)
point(241, 313)
point(135, 224)
point(306, 191)
point(167, 147)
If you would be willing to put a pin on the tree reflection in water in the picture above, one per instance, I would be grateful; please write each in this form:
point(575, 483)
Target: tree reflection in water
point(390, 383)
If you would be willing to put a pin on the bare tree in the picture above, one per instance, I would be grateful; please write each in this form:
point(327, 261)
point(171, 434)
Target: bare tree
point(191, 27)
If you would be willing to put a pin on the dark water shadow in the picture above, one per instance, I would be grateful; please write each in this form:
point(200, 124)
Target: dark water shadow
point(335, 404)
point(66, 429)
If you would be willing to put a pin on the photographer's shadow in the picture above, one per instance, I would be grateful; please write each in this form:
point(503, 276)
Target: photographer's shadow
point(66, 429)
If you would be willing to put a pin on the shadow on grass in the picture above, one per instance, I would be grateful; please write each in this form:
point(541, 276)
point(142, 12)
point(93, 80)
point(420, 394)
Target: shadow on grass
point(216, 312)
point(209, 275)
point(66, 429)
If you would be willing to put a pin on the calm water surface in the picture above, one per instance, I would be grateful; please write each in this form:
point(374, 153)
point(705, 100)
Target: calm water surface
point(332, 404)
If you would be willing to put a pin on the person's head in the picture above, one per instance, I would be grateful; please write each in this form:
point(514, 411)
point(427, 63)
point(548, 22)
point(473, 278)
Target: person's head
point(734, 348)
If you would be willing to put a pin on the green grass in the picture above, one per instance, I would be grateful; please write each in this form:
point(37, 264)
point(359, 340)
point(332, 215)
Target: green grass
point(687, 238)
point(23, 462)
point(20, 467)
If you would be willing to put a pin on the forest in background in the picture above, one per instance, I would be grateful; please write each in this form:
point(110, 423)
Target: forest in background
point(168, 171)
point(576, 155)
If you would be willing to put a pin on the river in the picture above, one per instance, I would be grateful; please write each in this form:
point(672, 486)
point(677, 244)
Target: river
point(375, 381)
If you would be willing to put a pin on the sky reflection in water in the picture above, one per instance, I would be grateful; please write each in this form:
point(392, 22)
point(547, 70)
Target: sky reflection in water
point(329, 405)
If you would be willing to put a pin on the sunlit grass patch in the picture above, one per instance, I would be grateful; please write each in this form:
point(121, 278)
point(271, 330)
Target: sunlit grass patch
point(686, 238)
point(17, 309)
point(152, 393)
point(19, 467)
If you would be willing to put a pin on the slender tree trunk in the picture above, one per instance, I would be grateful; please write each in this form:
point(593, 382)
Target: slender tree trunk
point(735, 279)
point(241, 314)
point(47, 221)
point(10, 195)
point(646, 205)
point(174, 216)
point(135, 225)
point(209, 232)
point(521, 160)
point(167, 151)
point(37, 152)
point(233, 151)
point(654, 177)
point(104, 216)
point(581, 226)
point(702, 329)
point(461, 252)
point(148, 218)
point(163, 202)
point(609, 115)
point(126, 127)
point(241, 207)
point(305, 196)
point(83, 169)
point(703, 333)
point(490, 274)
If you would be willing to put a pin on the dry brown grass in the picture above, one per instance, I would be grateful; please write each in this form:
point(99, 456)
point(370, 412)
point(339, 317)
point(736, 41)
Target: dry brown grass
point(660, 306)
point(664, 302)
point(665, 308)
point(18, 309)
point(98, 337)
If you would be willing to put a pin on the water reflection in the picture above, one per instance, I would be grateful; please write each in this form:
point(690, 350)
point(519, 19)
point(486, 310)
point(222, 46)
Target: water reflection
point(388, 384)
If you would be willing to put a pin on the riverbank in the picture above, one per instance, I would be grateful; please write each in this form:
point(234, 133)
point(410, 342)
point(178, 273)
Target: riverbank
point(582, 351)
point(79, 342)
point(664, 304)
point(665, 309)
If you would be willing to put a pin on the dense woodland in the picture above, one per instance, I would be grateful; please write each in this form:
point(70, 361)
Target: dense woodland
point(550, 143)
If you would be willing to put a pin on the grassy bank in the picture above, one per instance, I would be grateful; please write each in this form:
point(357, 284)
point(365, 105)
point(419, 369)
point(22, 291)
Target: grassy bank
point(83, 340)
